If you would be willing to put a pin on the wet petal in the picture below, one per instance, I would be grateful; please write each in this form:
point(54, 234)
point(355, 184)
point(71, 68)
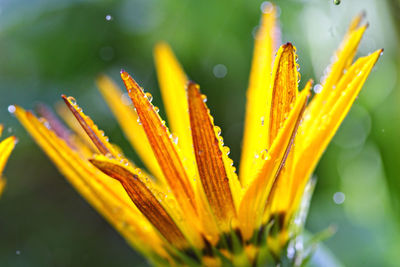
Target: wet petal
point(97, 136)
point(165, 150)
point(343, 59)
point(284, 89)
point(311, 149)
point(172, 80)
point(128, 120)
point(103, 193)
point(254, 200)
point(209, 157)
point(259, 94)
point(144, 200)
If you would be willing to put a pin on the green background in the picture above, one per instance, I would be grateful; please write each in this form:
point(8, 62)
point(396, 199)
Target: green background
point(50, 47)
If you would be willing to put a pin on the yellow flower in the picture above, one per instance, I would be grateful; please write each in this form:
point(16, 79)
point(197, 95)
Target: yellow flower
point(192, 208)
point(6, 147)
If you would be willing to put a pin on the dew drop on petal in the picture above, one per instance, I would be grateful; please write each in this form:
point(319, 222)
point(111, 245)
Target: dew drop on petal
point(317, 88)
point(108, 17)
point(149, 97)
point(266, 7)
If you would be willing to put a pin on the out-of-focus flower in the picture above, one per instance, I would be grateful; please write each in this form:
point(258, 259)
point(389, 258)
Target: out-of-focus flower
point(6, 147)
point(192, 208)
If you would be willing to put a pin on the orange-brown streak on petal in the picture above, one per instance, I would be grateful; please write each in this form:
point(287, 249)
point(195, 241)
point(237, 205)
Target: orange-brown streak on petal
point(209, 159)
point(127, 119)
point(91, 129)
point(106, 197)
point(278, 199)
point(284, 92)
point(163, 147)
point(253, 203)
point(145, 201)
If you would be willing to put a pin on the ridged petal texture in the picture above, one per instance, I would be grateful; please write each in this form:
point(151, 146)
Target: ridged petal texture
point(189, 207)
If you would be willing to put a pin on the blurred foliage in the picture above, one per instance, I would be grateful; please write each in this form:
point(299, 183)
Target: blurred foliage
point(52, 47)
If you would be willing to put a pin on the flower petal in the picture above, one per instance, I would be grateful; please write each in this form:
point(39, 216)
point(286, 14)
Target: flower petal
point(209, 157)
point(6, 147)
point(103, 193)
point(259, 94)
point(172, 80)
point(344, 58)
point(165, 150)
point(311, 148)
point(254, 200)
point(284, 89)
point(144, 200)
point(97, 136)
point(127, 119)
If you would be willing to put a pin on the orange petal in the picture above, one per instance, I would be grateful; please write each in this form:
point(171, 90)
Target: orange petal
point(145, 201)
point(254, 200)
point(285, 88)
point(165, 150)
point(96, 135)
point(128, 121)
point(103, 193)
point(213, 174)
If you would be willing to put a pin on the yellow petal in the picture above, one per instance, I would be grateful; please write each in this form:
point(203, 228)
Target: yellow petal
point(252, 206)
point(311, 148)
point(166, 151)
point(6, 147)
point(144, 200)
point(172, 80)
point(128, 120)
point(344, 58)
point(103, 193)
point(209, 157)
point(258, 95)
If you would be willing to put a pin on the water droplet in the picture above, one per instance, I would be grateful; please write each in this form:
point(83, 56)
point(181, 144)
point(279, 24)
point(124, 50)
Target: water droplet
point(11, 109)
point(227, 150)
point(336, 2)
point(204, 97)
point(163, 122)
point(108, 17)
point(220, 70)
point(262, 120)
point(72, 100)
point(217, 130)
point(9, 130)
point(138, 120)
point(266, 7)
point(18, 252)
point(156, 109)
point(174, 138)
point(264, 154)
point(339, 198)
point(149, 97)
point(317, 88)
